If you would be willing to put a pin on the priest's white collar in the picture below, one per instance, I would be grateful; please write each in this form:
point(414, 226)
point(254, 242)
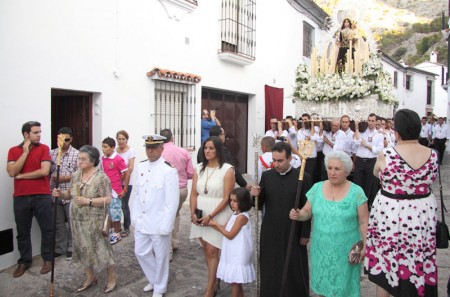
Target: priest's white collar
point(284, 173)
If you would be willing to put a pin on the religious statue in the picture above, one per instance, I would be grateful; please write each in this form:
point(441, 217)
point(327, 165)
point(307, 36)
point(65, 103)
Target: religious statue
point(346, 39)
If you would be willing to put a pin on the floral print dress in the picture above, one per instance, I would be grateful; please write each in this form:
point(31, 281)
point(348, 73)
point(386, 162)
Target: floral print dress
point(401, 241)
point(90, 248)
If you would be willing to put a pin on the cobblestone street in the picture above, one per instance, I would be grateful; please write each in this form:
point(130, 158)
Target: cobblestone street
point(187, 271)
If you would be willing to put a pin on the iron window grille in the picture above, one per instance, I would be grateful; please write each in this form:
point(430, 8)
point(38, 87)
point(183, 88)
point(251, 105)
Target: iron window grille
point(238, 23)
point(175, 110)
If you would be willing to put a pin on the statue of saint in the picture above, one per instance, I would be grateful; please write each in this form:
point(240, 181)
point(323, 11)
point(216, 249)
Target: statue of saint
point(345, 37)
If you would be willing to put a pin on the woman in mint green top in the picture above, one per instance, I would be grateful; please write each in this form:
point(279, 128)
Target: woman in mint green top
point(340, 216)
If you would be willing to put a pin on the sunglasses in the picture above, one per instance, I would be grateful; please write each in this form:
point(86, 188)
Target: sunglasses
point(66, 139)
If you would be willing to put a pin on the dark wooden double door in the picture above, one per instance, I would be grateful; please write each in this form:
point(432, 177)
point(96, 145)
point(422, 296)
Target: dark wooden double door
point(232, 112)
point(72, 109)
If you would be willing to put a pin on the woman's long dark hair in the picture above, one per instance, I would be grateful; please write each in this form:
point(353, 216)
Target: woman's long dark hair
point(349, 23)
point(219, 151)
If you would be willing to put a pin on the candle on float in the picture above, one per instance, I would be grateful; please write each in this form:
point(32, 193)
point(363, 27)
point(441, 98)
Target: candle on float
point(347, 62)
point(366, 52)
point(333, 58)
point(313, 62)
point(326, 59)
point(351, 56)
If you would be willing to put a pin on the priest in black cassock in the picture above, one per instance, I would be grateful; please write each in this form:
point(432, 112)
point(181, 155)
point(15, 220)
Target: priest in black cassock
point(277, 191)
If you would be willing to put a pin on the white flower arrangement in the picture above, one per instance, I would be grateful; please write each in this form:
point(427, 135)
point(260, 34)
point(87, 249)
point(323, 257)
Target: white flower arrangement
point(335, 86)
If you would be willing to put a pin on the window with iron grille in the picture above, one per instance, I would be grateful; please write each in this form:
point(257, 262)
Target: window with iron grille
point(409, 82)
point(395, 79)
point(238, 23)
point(175, 110)
point(308, 39)
point(429, 92)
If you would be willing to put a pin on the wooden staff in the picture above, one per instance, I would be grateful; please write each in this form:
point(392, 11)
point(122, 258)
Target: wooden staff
point(60, 143)
point(256, 146)
point(305, 148)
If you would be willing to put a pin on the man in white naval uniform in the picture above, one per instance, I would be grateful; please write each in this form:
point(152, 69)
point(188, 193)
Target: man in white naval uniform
point(153, 214)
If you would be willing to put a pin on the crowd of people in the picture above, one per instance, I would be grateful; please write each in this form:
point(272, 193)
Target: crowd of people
point(366, 184)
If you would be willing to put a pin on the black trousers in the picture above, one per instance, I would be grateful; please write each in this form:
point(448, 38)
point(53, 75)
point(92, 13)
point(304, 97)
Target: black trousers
point(39, 206)
point(364, 177)
point(439, 145)
point(311, 168)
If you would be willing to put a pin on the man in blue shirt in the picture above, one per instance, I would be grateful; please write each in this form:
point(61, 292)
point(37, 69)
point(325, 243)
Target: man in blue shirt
point(209, 120)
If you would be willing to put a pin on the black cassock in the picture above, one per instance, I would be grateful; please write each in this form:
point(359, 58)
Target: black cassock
point(278, 196)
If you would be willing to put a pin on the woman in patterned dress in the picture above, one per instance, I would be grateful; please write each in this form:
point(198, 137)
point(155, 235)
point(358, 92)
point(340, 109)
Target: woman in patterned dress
point(90, 190)
point(401, 241)
point(212, 185)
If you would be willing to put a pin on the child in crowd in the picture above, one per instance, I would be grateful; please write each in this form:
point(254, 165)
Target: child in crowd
point(115, 168)
point(236, 264)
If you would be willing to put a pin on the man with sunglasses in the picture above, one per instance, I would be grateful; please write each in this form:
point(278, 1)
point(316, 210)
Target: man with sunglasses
point(29, 165)
point(68, 165)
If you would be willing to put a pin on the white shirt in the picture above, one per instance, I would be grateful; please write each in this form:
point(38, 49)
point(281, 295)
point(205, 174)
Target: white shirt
point(293, 137)
point(304, 134)
point(271, 133)
point(374, 139)
point(440, 131)
point(348, 146)
point(425, 130)
point(338, 139)
point(268, 160)
point(156, 198)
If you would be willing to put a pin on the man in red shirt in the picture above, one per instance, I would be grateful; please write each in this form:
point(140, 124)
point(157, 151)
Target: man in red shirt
point(29, 164)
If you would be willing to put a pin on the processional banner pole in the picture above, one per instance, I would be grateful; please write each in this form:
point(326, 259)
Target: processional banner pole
point(256, 148)
point(60, 142)
point(305, 148)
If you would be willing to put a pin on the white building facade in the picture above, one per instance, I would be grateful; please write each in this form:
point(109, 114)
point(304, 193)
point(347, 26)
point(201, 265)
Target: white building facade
point(102, 66)
point(440, 95)
point(413, 87)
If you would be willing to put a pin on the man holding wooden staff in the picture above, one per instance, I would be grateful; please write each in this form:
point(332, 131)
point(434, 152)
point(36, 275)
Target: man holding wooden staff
point(277, 192)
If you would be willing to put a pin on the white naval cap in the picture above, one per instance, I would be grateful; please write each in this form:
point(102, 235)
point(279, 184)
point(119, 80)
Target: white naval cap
point(153, 139)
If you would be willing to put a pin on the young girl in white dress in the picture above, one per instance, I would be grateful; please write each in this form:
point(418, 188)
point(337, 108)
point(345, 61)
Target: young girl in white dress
point(236, 263)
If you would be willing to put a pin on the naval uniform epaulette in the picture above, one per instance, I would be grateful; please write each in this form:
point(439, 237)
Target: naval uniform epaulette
point(169, 164)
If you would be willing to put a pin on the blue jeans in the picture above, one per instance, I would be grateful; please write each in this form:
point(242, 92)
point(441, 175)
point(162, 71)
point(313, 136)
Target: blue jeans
point(126, 209)
point(25, 207)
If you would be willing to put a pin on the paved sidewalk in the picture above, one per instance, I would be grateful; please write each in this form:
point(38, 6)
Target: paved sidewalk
point(187, 271)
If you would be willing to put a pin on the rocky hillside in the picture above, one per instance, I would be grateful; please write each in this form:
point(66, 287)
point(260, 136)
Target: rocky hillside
point(407, 30)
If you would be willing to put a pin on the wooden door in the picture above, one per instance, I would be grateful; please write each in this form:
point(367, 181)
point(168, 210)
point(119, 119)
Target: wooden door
point(74, 110)
point(232, 112)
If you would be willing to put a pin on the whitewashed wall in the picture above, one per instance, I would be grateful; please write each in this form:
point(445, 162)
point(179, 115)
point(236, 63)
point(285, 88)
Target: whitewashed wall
point(416, 99)
point(78, 45)
point(440, 94)
point(399, 91)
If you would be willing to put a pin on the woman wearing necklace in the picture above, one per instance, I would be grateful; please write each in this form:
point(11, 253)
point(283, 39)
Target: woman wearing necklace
point(339, 209)
point(212, 185)
point(90, 190)
point(401, 243)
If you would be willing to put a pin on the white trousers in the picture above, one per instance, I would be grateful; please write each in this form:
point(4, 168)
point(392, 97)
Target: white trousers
point(152, 252)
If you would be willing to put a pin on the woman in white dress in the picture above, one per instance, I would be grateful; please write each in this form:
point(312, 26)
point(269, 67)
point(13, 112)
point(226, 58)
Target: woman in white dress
point(212, 184)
